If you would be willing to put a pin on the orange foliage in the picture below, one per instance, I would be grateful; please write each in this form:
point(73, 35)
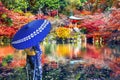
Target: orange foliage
point(7, 50)
point(44, 59)
point(18, 63)
point(84, 12)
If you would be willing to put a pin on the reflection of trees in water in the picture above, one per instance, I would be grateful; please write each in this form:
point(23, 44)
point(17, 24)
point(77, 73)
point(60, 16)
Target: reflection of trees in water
point(115, 62)
point(115, 49)
point(115, 37)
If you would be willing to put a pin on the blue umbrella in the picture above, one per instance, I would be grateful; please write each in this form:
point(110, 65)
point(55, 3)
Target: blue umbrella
point(30, 35)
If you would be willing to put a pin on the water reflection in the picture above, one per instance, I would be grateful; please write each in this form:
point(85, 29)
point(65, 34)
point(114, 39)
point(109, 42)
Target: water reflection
point(66, 52)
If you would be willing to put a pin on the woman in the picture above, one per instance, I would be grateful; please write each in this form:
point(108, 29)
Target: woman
point(33, 63)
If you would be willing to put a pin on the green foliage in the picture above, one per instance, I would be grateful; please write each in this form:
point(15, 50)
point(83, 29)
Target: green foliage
point(15, 4)
point(16, 74)
point(83, 30)
point(31, 5)
point(7, 60)
point(63, 4)
point(52, 74)
point(77, 76)
point(6, 19)
point(9, 21)
point(34, 5)
point(54, 4)
point(48, 49)
point(3, 16)
point(19, 74)
point(4, 63)
point(6, 40)
point(73, 3)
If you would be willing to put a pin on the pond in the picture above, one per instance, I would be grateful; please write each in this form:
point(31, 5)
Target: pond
point(69, 59)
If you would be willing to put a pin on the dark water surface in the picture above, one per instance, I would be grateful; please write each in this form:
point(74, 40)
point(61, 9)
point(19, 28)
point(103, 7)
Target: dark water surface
point(64, 62)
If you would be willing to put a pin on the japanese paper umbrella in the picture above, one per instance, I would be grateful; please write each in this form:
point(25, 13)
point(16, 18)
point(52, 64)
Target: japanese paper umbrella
point(31, 34)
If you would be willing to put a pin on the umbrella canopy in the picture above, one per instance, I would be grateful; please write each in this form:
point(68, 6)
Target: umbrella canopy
point(31, 34)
